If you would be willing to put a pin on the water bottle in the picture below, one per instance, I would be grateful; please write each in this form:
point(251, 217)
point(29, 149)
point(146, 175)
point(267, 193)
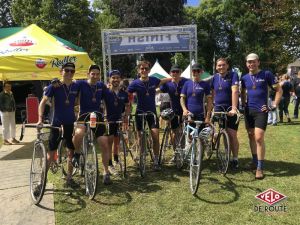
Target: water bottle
point(93, 120)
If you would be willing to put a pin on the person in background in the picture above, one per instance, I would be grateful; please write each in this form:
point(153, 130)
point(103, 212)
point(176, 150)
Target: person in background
point(287, 88)
point(8, 114)
point(296, 94)
point(256, 83)
point(272, 115)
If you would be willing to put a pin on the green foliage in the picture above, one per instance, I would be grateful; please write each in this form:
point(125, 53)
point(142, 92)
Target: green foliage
point(6, 19)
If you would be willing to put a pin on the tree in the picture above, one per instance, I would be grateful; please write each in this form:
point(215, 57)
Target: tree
point(6, 19)
point(71, 20)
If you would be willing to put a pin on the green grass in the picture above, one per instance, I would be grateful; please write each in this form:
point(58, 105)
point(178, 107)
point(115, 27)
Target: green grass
point(164, 197)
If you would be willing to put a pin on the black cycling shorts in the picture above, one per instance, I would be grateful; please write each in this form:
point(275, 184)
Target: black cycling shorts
point(255, 118)
point(113, 130)
point(54, 137)
point(176, 121)
point(99, 130)
point(150, 119)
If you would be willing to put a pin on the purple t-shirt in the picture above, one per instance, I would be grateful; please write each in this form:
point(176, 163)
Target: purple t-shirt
point(145, 93)
point(90, 96)
point(195, 93)
point(222, 88)
point(257, 88)
point(115, 104)
point(64, 101)
point(174, 91)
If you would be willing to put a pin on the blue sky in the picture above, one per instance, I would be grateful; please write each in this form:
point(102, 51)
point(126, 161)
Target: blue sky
point(193, 2)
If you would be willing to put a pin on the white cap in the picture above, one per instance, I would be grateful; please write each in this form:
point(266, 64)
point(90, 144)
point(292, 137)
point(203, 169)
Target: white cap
point(252, 56)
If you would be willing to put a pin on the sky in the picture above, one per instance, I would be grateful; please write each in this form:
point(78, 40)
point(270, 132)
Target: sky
point(193, 2)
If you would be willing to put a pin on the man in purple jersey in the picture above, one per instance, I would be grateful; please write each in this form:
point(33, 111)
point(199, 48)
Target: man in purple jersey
point(65, 96)
point(116, 102)
point(256, 83)
point(195, 93)
point(145, 89)
point(90, 97)
point(225, 86)
point(173, 88)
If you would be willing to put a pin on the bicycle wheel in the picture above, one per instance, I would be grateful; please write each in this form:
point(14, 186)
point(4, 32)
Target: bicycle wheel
point(164, 145)
point(63, 158)
point(38, 172)
point(143, 154)
point(133, 144)
point(179, 148)
point(150, 146)
point(91, 167)
point(81, 164)
point(122, 156)
point(223, 153)
point(195, 166)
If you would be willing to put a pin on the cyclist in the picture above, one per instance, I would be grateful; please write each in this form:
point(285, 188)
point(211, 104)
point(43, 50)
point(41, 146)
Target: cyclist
point(145, 88)
point(195, 93)
point(64, 94)
point(90, 97)
point(225, 90)
point(116, 101)
point(173, 88)
point(256, 84)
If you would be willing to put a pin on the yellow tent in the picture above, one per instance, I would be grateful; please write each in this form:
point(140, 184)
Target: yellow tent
point(33, 54)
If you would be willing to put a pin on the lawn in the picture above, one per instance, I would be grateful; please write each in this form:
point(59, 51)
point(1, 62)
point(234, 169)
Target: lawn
point(164, 197)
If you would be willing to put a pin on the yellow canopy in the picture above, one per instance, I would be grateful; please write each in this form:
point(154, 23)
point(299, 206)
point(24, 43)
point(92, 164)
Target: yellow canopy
point(33, 54)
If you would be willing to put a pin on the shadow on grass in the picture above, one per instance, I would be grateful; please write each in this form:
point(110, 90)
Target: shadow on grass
point(24, 152)
point(119, 192)
point(70, 200)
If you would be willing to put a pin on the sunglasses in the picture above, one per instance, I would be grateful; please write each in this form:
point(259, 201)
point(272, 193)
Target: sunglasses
point(175, 71)
point(145, 68)
point(69, 71)
point(197, 70)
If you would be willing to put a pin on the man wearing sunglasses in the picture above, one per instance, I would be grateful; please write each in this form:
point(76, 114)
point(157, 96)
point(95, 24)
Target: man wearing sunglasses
point(145, 88)
point(173, 88)
point(64, 94)
point(195, 93)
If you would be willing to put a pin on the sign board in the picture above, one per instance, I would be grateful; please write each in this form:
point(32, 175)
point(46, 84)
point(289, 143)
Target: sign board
point(150, 39)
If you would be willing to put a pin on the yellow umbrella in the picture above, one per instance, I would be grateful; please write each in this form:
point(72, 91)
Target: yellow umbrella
point(33, 54)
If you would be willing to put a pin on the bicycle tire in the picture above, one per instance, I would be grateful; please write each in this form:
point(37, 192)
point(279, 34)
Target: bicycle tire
point(195, 166)
point(38, 172)
point(164, 145)
point(81, 164)
point(133, 144)
point(63, 158)
point(179, 149)
point(122, 156)
point(91, 167)
point(143, 154)
point(150, 146)
point(223, 153)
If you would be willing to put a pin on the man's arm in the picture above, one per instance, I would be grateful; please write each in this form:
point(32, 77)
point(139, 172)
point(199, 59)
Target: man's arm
point(234, 99)
point(164, 80)
point(183, 106)
point(243, 97)
point(209, 108)
point(278, 95)
point(42, 109)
